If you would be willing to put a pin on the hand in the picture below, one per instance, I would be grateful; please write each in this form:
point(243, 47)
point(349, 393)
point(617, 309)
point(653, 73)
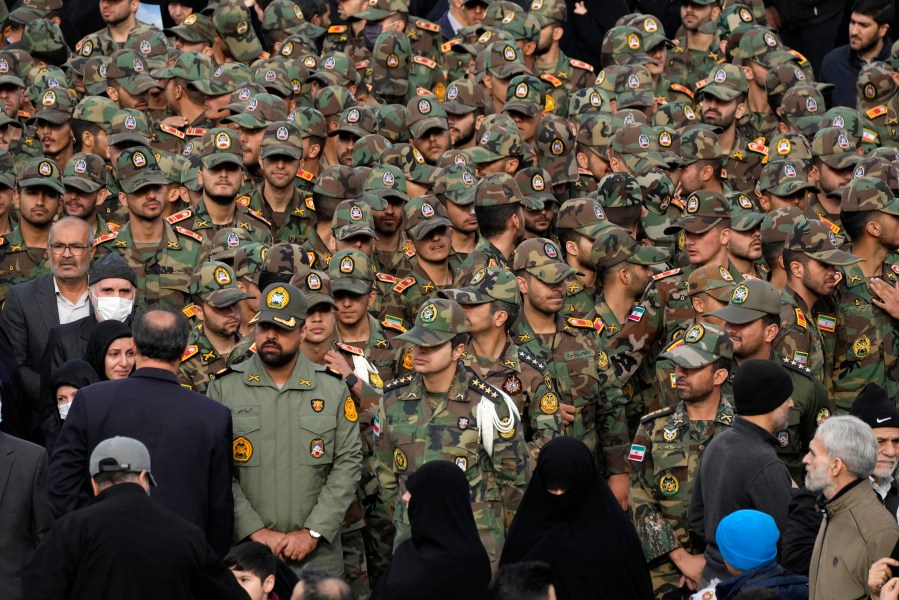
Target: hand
point(879, 574)
point(336, 362)
point(175, 121)
point(691, 565)
point(296, 545)
point(620, 484)
point(579, 8)
point(890, 590)
point(567, 411)
point(887, 296)
point(773, 18)
point(268, 537)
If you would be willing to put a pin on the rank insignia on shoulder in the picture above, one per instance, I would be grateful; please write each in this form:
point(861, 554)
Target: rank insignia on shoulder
point(422, 60)
point(665, 274)
point(551, 79)
point(172, 131)
point(195, 131)
point(309, 203)
point(448, 46)
point(189, 233)
point(105, 238)
point(305, 175)
point(758, 148)
point(427, 26)
point(404, 284)
point(585, 323)
point(189, 351)
point(399, 382)
point(800, 318)
point(580, 64)
point(877, 111)
point(658, 413)
point(386, 278)
point(351, 349)
point(190, 311)
point(337, 29)
point(599, 324)
point(179, 216)
point(682, 89)
point(243, 201)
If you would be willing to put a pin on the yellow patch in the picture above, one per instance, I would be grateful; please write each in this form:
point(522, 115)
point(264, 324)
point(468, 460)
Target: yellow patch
point(375, 380)
point(242, 449)
point(407, 360)
point(349, 410)
point(549, 404)
point(800, 318)
point(862, 347)
point(603, 361)
point(399, 459)
point(318, 405)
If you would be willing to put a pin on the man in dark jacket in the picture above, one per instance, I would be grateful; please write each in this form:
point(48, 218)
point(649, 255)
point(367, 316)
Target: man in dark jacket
point(125, 545)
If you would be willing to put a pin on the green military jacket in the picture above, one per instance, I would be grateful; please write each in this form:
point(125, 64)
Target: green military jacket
point(407, 295)
point(291, 227)
point(197, 219)
point(743, 166)
point(799, 338)
point(686, 66)
point(880, 125)
point(201, 363)
point(297, 454)
point(579, 299)
point(18, 262)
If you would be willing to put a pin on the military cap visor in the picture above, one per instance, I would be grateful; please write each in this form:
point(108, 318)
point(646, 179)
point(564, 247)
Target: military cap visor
point(144, 179)
point(53, 183)
point(841, 161)
point(454, 107)
point(128, 136)
point(721, 92)
point(553, 273)
point(747, 221)
point(224, 298)
point(420, 128)
point(640, 163)
point(738, 315)
point(837, 258)
point(267, 151)
point(193, 35)
point(353, 230)
point(424, 228)
point(689, 356)
point(220, 158)
point(56, 117)
point(349, 128)
point(648, 255)
point(528, 109)
point(138, 84)
point(245, 120)
point(694, 225)
point(82, 184)
point(788, 188)
point(428, 338)
point(353, 285)
point(283, 306)
point(655, 225)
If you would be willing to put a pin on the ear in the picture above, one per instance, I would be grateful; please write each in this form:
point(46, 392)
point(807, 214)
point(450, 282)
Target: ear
point(698, 305)
point(529, 48)
point(581, 160)
point(268, 584)
point(771, 333)
point(478, 120)
point(87, 140)
point(765, 203)
point(102, 195)
point(372, 297)
point(571, 248)
point(741, 110)
point(558, 32)
point(113, 94)
point(748, 73)
point(457, 351)
point(796, 269)
point(522, 284)
point(123, 199)
point(724, 237)
point(512, 166)
point(707, 173)
point(499, 318)
point(95, 487)
point(781, 126)
point(332, 125)
point(720, 376)
point(814, 175)
point(201, 317)
point(15, 198)
point(315, 150)
point(872, 228)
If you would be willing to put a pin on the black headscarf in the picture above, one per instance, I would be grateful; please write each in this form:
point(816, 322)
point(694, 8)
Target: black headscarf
point(444, 559)
point(76, 373)
point(105, 333)
point(583, 534)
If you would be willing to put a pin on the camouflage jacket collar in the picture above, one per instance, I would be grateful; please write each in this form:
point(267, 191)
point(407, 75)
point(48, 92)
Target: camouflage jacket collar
point(14, 241)
point(296, 208)
point(376, 337)
point(457, 390)
point(169, 240)
point(507, 360)
point(492, 252)
point(206, 350)
point(604, 312)
point(789, 296)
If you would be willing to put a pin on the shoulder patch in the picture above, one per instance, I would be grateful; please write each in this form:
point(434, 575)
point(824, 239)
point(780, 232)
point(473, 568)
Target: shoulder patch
point(580, 64)
point(179, 216)
point(189, 351)
point(400, 382)
point(410, 252)
point(585, 323)
point(337, 29)
point(386, 278)
point(422, 60)
point(351, 349)
point(599, 324)
point(363, 64)
point(305, 175)
point(665, 274)
point(526, 357)
point(190, 311)
point(800, 318)
point(682, 89)
point(551, 79)
point(243, 201)
point(427, 26)
point(795, 365)
point(189, 233)
point(309, 203)
point(172, 130)
point(404, 284)
point(395, 323)
point(105, 238)
point(877, 111)
point(257, 214)
point(195, 131)
point(448, 46)
point(659, 413)
point(758, 148)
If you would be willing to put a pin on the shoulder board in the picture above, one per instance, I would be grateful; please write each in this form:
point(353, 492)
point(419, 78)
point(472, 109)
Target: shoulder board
point(394, 323)
point(190, 311)
point(665, 274)
point(877, 111)
point(258, 215)
point(410, 252)
point(585, 323)
point(189, 351)
point(659, 413)
point(833, 226)
point(386, 278)
point(189, 233)
point(25, 114)
point(405, 283)
point(552, 79)
point(701, 84)
point(427, 26)
point(362, 64)
point(179, 216)
point(526, 357)
point(2, 240)
point(309, 203)
point(333, 373)
point(172, 131)
point(758, 148)
point(422, 60)
point(800, 318)
point(678, 202)
point(195, 131)
point(265, 56)
point(337, 29)
point(351, 349)
point(306, 175)
point(105, 238)
point(112, 227)
point(395, 383)
point(599, 324)
point(482, 387)
point(448, 46)
point(580, 64)
point(797, 366)
point(682, 89)
point(243, 201)
point(220, 373)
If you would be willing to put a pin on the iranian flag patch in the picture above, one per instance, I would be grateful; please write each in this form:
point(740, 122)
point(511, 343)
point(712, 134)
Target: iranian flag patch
point(637, 452)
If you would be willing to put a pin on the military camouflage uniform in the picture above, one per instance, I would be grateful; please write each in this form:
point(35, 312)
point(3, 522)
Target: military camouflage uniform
point(18, 263)
point(686, 66)
point(200, 363)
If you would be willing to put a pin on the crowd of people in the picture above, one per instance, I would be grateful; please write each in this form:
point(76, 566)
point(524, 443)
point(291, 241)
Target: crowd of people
point(405, 302)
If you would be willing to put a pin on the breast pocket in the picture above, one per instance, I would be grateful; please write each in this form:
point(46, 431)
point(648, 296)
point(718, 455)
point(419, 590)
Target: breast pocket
point(247, 441)
point(317, 439)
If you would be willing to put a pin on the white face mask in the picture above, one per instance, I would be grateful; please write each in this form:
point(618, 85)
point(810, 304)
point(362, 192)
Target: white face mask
point(64, 409)
point(113, 308)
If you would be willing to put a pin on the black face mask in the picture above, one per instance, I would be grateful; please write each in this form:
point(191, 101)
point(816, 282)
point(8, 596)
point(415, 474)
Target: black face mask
point(370, 34)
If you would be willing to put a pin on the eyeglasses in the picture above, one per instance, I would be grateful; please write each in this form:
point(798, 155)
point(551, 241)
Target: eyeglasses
point(75, 249)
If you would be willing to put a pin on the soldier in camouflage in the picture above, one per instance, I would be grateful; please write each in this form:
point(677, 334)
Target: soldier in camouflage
point(580, 222)
point(84, 180)
point(697, 51)
point(835, 152)
point(551, 63)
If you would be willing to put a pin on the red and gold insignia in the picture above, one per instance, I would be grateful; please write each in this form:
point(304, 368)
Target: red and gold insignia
point(549, 404)
point(318, 405)
point(317, 448)
point(189, 351)
point(242, 449)
point(512, 385)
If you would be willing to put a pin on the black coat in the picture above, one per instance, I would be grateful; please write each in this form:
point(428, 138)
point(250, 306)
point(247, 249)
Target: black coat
point(188, 436)
point(125, 545)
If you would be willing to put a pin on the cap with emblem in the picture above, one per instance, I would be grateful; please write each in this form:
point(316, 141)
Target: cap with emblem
point(257, 112)
point(457, 183)
point(274, 78)
point(802, 107)
point(7, 169)
point(149, 43)
point(815, 239)
point(215, 284)
point(425, 113)
point(699, 142)
point(652, 29)
point(589, 101)
point(378, 10)
point(743, 213)
point(756, 44)
point(616, 246)
point(226, 243)
point(634, 87)
point(350, 271)
point(120, 455)
point(463, 96)
point(137, 168)
point(129, 125)
point(282, 139)
point(196, 28)
point(368, 150)
point(335, 68)
point(595, 132)
point(526, 95)
point(9, 74)
point(221, 146)
point(584, 215)
point(85, 172)
point(410, 160)
point(702, 344)
point(310, 121)
point(131, 71)
point(338, 181)
point(486, 285)
point(501, 139)
point(863, 194)
point(40, 172)
point(624, 45)
point(356, 120)
point(284, 15)
point(634, 145)
point(315, 286)
point(392, 123)
point(618, 190)
point(549, 12)
point(190, 66)
point(703, 210)
point(42, 38)
point(282, 305)
point(536, 185)
point(752, 299)
point(875, 408)
point(875, 85)
point(352, 218)
point(497, 189)
point(778, 223)
point(789, 146)
point(836, 148)
point(784, 178)
point(233, 24)
point(556, 138)
point(542, 258)
point(248, 260)
point(383, 182)
point(56, 106)
point(504, 60)
point(438, 321)
point(226, 79)
point(423, 216)
point(660, 213)
point(725, 82)
point(675, 114)
point(284, 259)
point(390, 66)
point(714, 280)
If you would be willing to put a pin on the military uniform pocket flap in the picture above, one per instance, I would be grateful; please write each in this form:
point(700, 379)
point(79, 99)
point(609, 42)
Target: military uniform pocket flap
point(244, 425)
point(318, 424)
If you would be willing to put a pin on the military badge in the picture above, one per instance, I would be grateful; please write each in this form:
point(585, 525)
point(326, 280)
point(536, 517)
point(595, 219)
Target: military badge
point(669, 435)
point(462, 463)
point(349, 410)
point(242, 449)
point(399, 460)
point(512, 385)
point(783, 438)
point(318, 405)
point(317, 448)
point(669, 485)
point(463, 423)
point(549, 404)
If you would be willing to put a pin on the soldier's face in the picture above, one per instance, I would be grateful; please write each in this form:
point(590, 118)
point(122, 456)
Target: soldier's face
point(345, 144)
point(54, 138)
point(363, 243)
point(179, 12)
point(694, 15)
point(351, 308)
point(214, 107)
point(117, 11)
point(279, 171)
point(76, 203)
point(388, 221)
point(462, 217)
point(435, 247)
point(250, 142)
point(718, 112)
point(320, 324)
point(147, 203)
point(135, 101)
point(5, 200)
point(433, 144)
point(694, 385)
point(703, 247)
point(436, 359)
point(691, 177)
point(537, 222)
point(659, 56)
point(819, 278)
point(37, 205)
point(348, 8)
point(277, 347)
point(222, 322)
point(222, 182)
point(462, 128)
point(525, 124)
point(831, 180)
point(639, 279)
point(749, 338)
point(887, 451)
point(745, 244)
point(11, 98)
point(478, 317)
point(546, 298)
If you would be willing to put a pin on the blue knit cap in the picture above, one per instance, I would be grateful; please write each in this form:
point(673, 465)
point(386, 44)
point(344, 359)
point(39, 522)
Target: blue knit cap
point(747, 539)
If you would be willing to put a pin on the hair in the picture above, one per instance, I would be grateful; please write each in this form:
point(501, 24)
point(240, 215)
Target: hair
point(492, 220)
point(160, 332)
point(791, 256)
point(325, 206)
point(312, 8)
point(253, 557)
point(459, 338)
point(521, 581)
point(319, 585)
point(105, 479)
point(771, 251)
point(566, 235)
point(852, 441)
point(71, 220)
point(624, 216)
point(266, 278)
point(769, 319)
point(880, 10)
point(511, 309)
point(854, 222)
point(79, 127)
point(722, 362)
point(716, 163)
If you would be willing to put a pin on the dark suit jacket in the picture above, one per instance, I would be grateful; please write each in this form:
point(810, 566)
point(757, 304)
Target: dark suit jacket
point(188, 436)
point(446, 28)
point(28, 316)
point(25, 512)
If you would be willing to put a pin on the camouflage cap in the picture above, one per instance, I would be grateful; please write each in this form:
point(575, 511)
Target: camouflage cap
point(7, 168)
point(392, 123)
point(661, 212)
point(456, 183)
point(149, 43)
point(619, 190)
point(137, 168)
point(284, 259)
point(584, 215)
point(221, 146)
point(94, 75)
point(130, 71)
point(549, 12)
point(129, 125)
point(310, 121)
point(8, 70)
point(675, 114)
point(390, 60)
point(273, 77)
point(624, 45)
point(815, 239)
point(651, 27)
point(756, 44)
point(41, 37)
point(284, 15)
point(352, 218)
point(282, 139)
point(837, 148)
point(56, 106)
point(172, 166)
point(378, 10)
point(368, 150)
point(338, 181)
point(216, 285)
point(386, 181)
point(518, 26)
point(752, 299)
point(634, 87)
point(486, 285)
point(423, 216)
point(40, 172)
point(497, 189)
point(226, 79)
point(335, 68)
point(407, 158)
point(556, 139)
point(227, 242)
point(803, 107)
point(879, 167)
point(875, 85)
point(701, 345)
point(725, 82)
point(350, 271)
point(781, 78)
point(744, 215)
point(283, 306)
point(24, 15)
point(190, 66)
point(789, 146)
point(633, 144)
point(315, 285)
point(85, 172)
point(703, 211)
point(233, 24)
point(733, 18)
point(589, 101)
point(864, 194)
point(535, 185)
point(669, 144)
point(258, 112)
point(332, 100)
point(526, 95)
point(463, 96)
point(500, 139)
point(95, 44)
point(504, 60)
point(699, 142)
point(424, 113)
point(784, 178)
point(542, 258)
point(438, 321)
point(595, 131)
point(778, 223)
point(196, 28)
point(714, 280)
point(616, 246)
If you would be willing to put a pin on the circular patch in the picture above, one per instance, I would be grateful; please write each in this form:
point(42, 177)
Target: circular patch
point(241, 450)
point(597, 210)
point(353, 116)
point(669, 485)
point(838, 122)
point(130, 122)
point(278, 298)
point(745, 15)
point(689, 114)
point(252, 105)
point(521, 90)
point(536, 4)
point(485, 138)
point(783, 438)
point(242, 27)
point(52, 83)
point(318, 405)
point(669, 434)
point(270, 76)
point(80, 166)
point(789, 171)
point(462, 463)
point(139, 160)
point(243, 94)
point(744, 202)
point(313, 281)
point(145, 47)
point(633, 41)
point(222, 277)
point(549, 404)
point(424, 107)
point(692, 204)
point(233, 240)
point(550, 250)
point(859, 172)
point(783, 147)
point(467, 179)
point(557, 148)
point(222, 141)
point(508, 18)
point(843, 142)
point(870, 91)
point(537, 183)
point(740, 294)
point(427, 210)
point(665, 139)
point(287, 50)
point(399, 459)
point(190, 19)
point(355, 213)
point(459, 159)
point(375, 380)
point(282, 133)
point(595, 99)
point(650, 25)
point(862, 347)
point(720, 75)
point(512, 385)
point(45, 169)
point(219, 71)
point(297, 12)
point(485, 37)
point(347, 265)
point(417, 156)
point(694, 334)
point(633, 82)
point(428, 314)
point(769, 38)
point(87, 48)
point(49, 98)
point(811, 105)
point(452, 92)
point(296, 86)
point(388, 179)
point(643, 140)
point(833, 238)
point(601, 77)
point(310, 62)
point(138, 65)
